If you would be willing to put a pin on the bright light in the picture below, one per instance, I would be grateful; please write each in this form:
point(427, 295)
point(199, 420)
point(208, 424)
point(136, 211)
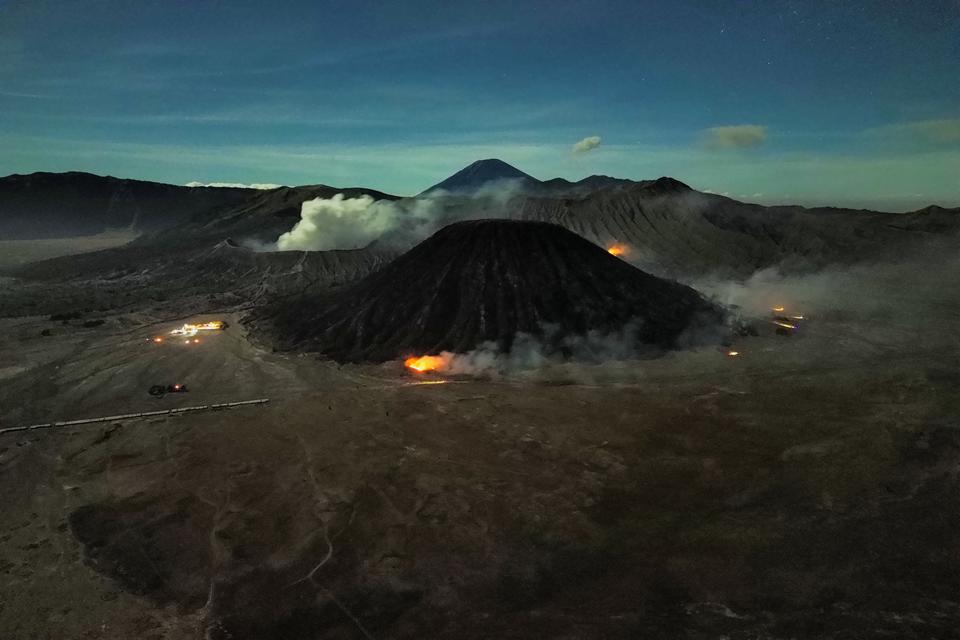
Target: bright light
point(423, 364)
point(733, 354)
point(618, 249)
point(190, 330)
point(778, 309)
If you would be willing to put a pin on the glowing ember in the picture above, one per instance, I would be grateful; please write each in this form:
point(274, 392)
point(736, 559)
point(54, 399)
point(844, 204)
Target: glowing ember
point(190, 330)
point(424, 363)
point(733, 354)
point(618, 249)
point(158, 339)
point(778, 309)
point(785, 325)
point(797, 317)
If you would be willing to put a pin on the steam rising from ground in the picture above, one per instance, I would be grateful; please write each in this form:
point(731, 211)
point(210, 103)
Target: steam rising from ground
point(528, 354)
point(904, 290)
point(344, 223)
point(856, 315)
point(352, 223)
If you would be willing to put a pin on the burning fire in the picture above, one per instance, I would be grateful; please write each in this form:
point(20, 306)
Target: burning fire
point(158, 339)
point(190, 330)
point(423, 364)
point(618, 249)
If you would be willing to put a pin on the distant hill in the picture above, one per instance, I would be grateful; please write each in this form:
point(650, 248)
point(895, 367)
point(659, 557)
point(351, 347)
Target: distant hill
point(261, 217)
point(480, 173)
point(60, 205)
point(485, 173)
point(673, 230)
point(488, 280)
point(668, 229)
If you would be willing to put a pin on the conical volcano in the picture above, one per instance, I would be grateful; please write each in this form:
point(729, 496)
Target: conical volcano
point(488, 280)
point(480, 173)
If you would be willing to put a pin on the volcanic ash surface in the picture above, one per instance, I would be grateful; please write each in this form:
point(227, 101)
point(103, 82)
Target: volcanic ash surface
point(488, 281)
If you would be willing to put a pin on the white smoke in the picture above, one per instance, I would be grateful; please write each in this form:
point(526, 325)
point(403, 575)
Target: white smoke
point(339, 223)
point(351, 223)
point(530, 355)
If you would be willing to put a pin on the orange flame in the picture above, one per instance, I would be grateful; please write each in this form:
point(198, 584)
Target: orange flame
point(422, 364)
point(189, 330)
point(158, 339)
point(618, 249)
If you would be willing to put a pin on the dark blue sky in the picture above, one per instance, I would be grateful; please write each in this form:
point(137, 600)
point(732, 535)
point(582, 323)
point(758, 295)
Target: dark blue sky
point(770, 100)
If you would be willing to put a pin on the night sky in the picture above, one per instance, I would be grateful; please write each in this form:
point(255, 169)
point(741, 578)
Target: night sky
point(848, 103)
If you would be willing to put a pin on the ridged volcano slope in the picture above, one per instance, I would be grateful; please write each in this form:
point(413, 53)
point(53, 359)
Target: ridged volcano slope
point(487, 280)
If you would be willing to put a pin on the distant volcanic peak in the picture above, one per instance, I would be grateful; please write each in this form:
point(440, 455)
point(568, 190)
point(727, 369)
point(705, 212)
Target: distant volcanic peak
point(666, 184)
point(486, 281)
point(480, 173)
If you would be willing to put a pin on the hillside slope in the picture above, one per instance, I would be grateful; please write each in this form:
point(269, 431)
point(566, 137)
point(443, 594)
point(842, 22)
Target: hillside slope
point(488, 280)
point(60, 205)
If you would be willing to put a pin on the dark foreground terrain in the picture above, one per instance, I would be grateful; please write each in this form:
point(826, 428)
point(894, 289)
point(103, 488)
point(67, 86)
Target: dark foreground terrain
point(803, 489)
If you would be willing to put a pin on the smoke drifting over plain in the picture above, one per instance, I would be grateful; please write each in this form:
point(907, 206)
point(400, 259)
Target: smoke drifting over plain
point(852, 314)
point(352, 223)
point(529, 352)
point(903, 291)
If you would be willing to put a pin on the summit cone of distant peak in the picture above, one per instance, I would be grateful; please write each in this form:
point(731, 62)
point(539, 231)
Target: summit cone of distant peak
point(480, 173)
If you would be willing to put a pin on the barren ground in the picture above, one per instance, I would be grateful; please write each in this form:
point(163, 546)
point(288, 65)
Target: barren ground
point(807, 488)
point(18, 252)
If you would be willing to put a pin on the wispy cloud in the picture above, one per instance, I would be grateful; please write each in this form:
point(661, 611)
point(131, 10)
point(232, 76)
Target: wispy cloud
point(888, 181)
point(32, 96)
point(740, 136)
point(587, 144)
point(942, 131)
point(262, 186)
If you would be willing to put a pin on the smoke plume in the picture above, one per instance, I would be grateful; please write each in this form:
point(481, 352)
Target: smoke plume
point(351, 223)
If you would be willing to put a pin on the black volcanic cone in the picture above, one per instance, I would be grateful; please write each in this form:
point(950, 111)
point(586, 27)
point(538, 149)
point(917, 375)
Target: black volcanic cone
point(487, 280)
